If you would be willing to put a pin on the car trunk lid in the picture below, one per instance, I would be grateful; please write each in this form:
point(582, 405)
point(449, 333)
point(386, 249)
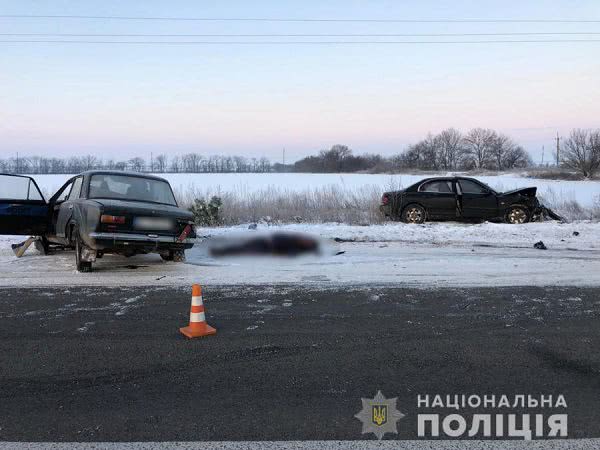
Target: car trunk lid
point(143, 217)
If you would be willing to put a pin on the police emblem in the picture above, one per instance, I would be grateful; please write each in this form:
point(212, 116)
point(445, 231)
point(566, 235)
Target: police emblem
point(379, 415)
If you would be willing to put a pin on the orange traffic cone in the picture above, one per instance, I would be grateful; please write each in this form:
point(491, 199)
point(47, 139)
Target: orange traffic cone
point(198, 326)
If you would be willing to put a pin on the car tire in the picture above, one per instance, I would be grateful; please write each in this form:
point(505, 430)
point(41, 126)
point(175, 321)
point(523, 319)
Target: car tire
point(414, 214)
point(82, 266)
point(517, 215)
point(173, 255)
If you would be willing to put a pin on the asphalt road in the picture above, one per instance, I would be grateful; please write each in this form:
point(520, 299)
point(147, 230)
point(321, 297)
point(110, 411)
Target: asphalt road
point(287, 363)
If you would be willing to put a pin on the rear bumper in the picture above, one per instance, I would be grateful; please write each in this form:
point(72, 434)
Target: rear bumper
point(117, 241)
point(386, 210)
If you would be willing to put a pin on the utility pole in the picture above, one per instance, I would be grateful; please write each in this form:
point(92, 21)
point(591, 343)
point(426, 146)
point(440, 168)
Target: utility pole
point(557, 149)
point(17, 168)
point(542, 155)
point(151, 162)
point(283, 160)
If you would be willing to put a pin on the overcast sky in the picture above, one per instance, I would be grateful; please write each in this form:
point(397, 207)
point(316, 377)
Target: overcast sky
point(125, 100)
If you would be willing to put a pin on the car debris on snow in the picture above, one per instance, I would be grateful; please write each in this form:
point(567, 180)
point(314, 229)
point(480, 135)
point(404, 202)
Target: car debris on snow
point(20, 248)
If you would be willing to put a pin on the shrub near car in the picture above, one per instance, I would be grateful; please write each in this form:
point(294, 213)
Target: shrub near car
point(459, 198)
point(99, 212)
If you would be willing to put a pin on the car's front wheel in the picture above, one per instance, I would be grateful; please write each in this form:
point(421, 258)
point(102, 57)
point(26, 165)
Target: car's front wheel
point(414, 214)
point(517, 215)
point(82, 266)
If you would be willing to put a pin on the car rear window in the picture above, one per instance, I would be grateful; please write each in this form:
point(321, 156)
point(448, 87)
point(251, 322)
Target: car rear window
point(123, 187)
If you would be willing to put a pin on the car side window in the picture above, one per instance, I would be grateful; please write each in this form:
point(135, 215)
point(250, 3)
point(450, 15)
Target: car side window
point(14, 187)
point(76, 189)
point(470, 187)
point(65, 193)
point(441, 186)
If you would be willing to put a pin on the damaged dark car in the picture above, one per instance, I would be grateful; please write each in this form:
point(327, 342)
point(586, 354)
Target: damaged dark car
point(462, 199)
point(99, 212)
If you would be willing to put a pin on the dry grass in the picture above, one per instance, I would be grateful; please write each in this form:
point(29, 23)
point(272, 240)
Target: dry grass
point(335, 203)
point(554, 173)
point(322, 204)
point(569, 208)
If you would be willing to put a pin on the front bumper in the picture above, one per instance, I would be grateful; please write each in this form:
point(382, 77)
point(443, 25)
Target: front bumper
point(146, 242)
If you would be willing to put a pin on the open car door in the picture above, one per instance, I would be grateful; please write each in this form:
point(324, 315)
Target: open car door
point(23, 209)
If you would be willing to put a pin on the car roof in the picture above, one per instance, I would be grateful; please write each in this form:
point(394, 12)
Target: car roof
point(434, 179)
point(447, 178)
point(121, 173)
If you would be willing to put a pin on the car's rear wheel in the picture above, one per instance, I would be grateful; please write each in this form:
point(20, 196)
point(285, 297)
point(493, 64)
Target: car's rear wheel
point(414, 214)
point(82, 266)
point(517, 215)
point(173, 255)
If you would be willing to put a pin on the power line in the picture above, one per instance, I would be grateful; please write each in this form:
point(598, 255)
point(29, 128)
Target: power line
point(513, 41)
point(580, 33)
point(272, 19)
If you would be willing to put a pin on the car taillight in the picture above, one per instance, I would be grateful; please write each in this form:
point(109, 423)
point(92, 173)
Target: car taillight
point(104, 218)
point(385, 199)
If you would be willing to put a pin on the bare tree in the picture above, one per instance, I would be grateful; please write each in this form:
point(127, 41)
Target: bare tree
point(161, 163)
point(517, 157)
point(333, 159)
point(581, 151)
point(137, 164)
point(501, 147)
point(451, 148)
point(478, 144)
point(120, 165)
point(191, 162)
point(264, 165)
point(89, 162)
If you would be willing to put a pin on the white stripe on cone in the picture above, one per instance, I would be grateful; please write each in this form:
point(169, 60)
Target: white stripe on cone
point(197, 317)
point(197, 301)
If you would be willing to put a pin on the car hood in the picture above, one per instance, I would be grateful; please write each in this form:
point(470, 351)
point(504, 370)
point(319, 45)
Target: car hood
point(143, 208)
point(527, 192)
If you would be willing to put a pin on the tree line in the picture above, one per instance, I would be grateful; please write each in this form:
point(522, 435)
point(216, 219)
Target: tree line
point(189, 163)
point(478, 149)
point(449, 150)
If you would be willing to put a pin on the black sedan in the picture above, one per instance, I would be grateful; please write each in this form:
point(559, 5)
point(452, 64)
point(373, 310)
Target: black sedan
point(460, 198)
point(99, 212)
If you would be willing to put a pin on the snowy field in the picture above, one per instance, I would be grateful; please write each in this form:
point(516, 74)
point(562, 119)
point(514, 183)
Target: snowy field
point(586, 193)
point(430, 255)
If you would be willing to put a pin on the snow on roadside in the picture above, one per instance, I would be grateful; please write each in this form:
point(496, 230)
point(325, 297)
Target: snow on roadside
point(576, 235)
point(430, 255)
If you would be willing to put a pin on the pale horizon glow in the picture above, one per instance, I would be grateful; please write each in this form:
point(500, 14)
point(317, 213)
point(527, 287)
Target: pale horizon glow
point(121, 101)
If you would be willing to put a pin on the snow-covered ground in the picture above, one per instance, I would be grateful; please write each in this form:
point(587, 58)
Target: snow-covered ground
point(437, 254)
point(584, 192)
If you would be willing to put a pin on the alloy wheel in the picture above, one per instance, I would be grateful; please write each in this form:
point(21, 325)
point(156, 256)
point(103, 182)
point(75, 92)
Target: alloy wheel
point(414, 215)
point(517, 216)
